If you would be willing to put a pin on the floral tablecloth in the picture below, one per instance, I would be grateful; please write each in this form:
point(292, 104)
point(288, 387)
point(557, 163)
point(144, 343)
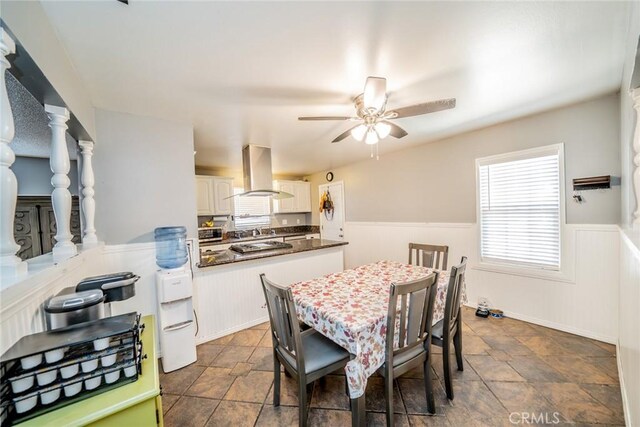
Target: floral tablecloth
point(350, 308)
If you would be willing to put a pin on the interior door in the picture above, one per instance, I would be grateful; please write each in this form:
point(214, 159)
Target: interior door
point(332, 223)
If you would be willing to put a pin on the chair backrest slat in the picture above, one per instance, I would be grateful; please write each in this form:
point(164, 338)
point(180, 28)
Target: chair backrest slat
point(430, 256)
point(285, 331)
point(414, 314)
point(454, 293)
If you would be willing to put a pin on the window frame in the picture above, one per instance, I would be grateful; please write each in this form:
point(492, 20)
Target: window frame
point(266, 217)
point(494, 265)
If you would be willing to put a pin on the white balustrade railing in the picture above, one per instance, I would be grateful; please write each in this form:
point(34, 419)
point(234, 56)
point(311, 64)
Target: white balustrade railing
point(60, 197)
point(89, 238)
point(635, 94)
point(11, 266)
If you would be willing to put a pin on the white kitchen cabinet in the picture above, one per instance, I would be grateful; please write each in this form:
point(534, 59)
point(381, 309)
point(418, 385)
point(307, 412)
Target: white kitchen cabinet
point(204, 195)
point(301, 200)
point(222, 192)
point(212, 194)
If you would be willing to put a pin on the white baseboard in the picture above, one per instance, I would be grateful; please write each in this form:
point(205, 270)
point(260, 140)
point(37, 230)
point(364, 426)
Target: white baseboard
point(623, 389)
point(202, 340)
point(557, 326)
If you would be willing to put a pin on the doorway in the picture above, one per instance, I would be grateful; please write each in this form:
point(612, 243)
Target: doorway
point(332, 220)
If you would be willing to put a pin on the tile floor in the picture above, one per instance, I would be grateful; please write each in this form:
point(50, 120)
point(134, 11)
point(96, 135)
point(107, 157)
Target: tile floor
point(512, 368)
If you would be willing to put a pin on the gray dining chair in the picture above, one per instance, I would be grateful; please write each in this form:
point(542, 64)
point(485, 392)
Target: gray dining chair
point(449, 329)
point(305, 355)
point(431, 256)
point(414, 321)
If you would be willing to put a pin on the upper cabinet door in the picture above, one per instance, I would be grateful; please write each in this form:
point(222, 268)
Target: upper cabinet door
point(222, 192)
point(204, 195)
point(303, 196)
point(284, 205)
point(301, 200)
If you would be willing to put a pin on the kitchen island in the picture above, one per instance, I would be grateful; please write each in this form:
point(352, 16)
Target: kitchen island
point(228, 256)
point(227, 289)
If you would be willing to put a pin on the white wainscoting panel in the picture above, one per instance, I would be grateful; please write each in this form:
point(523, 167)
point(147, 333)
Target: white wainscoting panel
point(629, 330)
point(582, 299)
point(230, 297)
point(21, 310)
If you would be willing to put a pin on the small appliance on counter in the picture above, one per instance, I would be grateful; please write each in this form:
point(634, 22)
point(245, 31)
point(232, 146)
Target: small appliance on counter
point(175, 302)
point(48, 370)
point(90, 300)
point(68, 308)
point(209, 234)
point(115, 286)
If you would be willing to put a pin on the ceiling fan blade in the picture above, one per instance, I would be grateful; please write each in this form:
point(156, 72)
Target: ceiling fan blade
point(344, 134)
point(327, 118)
point(425, 108)
point(375, 93)
point(396, 131)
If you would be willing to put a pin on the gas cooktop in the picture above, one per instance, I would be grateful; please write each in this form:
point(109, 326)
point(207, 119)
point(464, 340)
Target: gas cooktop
point(260, 246)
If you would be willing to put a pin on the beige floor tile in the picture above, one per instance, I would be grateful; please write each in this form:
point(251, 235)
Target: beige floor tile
point(579, 370)
point(234, 414)
point(213, 383)
point(177, 382)
point(491, 369)
point(328, 417)
point(190, 412)
point(207, 353)
point(535, 369)
point(280, 416)
point(231, 355)
point(253, 387)
point(248, 337)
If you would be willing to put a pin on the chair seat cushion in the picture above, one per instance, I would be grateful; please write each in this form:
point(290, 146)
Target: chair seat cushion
point(319, 352)
point(407, 355)
point(437, 330)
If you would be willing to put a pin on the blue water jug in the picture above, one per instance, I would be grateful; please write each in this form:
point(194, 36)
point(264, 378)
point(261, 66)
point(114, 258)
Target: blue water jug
point(171, 246)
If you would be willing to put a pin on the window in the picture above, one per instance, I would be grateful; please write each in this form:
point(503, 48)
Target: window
point(520, 207)
point(251, 212)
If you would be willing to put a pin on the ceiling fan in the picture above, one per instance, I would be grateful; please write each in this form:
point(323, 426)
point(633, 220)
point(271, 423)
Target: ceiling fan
point(371, 112)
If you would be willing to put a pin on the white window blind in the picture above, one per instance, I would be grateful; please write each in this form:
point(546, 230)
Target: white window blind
point(520, 209)
point(251, 211)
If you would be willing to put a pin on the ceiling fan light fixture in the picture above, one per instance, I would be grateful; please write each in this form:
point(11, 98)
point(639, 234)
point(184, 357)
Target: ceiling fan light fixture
point(383, 129)
point(372, 137)
point(358, 132)
point(375, 94)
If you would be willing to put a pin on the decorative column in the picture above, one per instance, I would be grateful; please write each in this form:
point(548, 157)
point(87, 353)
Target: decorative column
point(635, 94)
point(60, 197)
point(89, 238)
point(11, 266)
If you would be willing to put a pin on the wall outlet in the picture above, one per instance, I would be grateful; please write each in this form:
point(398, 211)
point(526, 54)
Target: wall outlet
point(298, 221)
point(284, 222)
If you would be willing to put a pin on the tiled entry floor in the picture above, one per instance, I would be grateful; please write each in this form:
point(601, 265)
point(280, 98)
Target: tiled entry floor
point(511, 368)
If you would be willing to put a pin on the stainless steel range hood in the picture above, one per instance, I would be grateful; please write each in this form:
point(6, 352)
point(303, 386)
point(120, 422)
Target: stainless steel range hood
point(258, 179)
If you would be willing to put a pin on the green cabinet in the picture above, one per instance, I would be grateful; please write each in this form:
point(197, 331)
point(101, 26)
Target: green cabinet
point(137, 404)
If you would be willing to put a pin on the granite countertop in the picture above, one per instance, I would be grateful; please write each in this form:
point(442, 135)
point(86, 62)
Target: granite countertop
point(299, 230)
point(228, 256)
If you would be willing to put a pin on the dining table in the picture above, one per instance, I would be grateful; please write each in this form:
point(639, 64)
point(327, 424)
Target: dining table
point(350, 308)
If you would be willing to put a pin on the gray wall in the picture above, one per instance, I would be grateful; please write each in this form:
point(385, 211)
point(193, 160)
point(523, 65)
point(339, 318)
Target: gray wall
point(29, 23)
point(435, 182)
point(34, 176)
point(144, 177)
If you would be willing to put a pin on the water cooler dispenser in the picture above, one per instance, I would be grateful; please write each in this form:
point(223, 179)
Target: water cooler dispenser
point(175, 299)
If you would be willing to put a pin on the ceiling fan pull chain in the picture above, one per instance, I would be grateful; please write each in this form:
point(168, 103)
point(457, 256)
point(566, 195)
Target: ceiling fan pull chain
point(372, 150)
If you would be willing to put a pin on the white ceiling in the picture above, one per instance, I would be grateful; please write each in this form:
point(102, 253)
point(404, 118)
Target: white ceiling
point(243, 72)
